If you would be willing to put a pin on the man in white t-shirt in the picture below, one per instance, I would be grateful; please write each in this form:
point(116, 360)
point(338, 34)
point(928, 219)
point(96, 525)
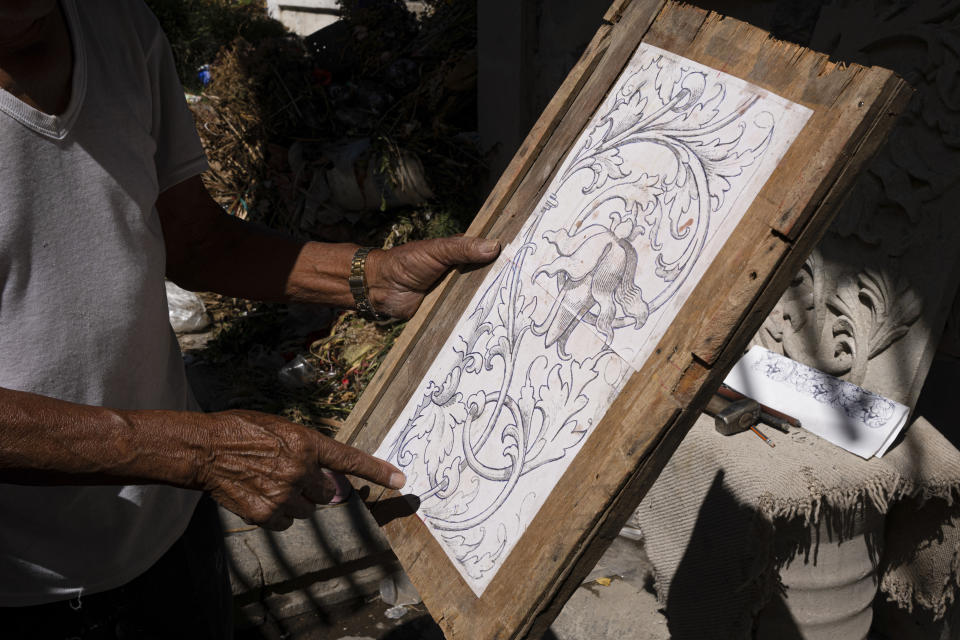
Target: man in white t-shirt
point(103, 454)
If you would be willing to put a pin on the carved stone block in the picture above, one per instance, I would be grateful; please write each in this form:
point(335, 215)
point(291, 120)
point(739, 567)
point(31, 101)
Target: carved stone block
point(871, 303)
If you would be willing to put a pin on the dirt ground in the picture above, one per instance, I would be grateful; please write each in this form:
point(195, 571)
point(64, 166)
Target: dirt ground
point(357, 621)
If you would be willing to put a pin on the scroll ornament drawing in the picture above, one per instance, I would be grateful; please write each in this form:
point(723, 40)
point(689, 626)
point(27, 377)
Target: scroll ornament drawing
point(581, 296)
point(867, 407)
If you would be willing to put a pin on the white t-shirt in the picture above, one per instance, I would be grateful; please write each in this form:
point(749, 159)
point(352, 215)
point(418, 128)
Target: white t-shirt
point(83, 309)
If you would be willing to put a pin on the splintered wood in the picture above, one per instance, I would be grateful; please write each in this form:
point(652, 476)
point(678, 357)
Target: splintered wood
point(650, 221)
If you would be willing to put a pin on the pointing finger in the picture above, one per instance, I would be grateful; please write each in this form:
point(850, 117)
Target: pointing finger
point(336, 456)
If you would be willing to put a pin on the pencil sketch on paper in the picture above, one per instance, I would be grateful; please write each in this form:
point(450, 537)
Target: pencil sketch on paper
point(639, 208)
point(862, 405)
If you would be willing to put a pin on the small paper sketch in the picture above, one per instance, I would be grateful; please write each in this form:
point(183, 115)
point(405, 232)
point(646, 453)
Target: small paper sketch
point(640, 207)
point(866, 407)
point(849, 416)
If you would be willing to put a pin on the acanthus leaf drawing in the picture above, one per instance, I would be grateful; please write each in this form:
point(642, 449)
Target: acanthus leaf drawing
point(637, 211)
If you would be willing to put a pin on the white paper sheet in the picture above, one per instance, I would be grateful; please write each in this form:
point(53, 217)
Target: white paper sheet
point(849, 416)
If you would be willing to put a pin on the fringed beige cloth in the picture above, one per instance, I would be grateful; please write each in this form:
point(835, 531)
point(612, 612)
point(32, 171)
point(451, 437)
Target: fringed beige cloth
point(722, 519)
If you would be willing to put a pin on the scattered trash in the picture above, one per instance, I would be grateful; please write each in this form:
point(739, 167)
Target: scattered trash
point(203, 75)
point(389, 94)
point(321, 77)
point(298, 373)
point(186, 309)
point(375, 112)
point(625, 560)
point(264, 358)
point(395, 613)
point(396, 589)
point(347, 179)
point(632, 533)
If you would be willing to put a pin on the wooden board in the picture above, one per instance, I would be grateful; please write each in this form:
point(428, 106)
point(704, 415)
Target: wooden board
point(852, 108)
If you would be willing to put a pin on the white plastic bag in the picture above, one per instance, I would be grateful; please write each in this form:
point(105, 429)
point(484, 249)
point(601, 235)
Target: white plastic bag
point(187, 312)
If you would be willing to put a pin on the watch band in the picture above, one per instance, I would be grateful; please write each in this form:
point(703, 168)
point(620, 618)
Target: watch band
point(358, 284)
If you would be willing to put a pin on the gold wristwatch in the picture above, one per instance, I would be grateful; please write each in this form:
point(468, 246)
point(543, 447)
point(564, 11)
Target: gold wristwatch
point(358, 285)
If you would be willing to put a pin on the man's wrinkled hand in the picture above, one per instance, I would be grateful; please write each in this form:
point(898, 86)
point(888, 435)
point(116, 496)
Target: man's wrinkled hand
point(269, 471)
point(400, 277)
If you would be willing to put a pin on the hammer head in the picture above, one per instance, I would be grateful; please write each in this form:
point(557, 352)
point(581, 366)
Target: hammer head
point(737, 416)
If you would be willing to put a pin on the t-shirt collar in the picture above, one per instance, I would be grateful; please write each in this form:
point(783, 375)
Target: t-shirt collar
point(55, 126)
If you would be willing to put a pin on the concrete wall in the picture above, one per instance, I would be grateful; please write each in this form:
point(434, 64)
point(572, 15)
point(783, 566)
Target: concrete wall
point(303, 17)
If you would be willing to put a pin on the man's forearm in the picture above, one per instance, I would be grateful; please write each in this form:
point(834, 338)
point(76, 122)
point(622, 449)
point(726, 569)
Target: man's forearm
point(262, 467)
point(209, 250)
point(52, 442)
point(245, 260)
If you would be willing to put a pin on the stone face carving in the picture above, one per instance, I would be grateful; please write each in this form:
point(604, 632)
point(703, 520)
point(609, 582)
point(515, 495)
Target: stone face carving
point(870, 304)
point(840, 318)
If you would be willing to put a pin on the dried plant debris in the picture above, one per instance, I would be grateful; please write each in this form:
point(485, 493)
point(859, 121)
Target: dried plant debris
point(307, 363)
point(197, 29)
point(371, 117)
